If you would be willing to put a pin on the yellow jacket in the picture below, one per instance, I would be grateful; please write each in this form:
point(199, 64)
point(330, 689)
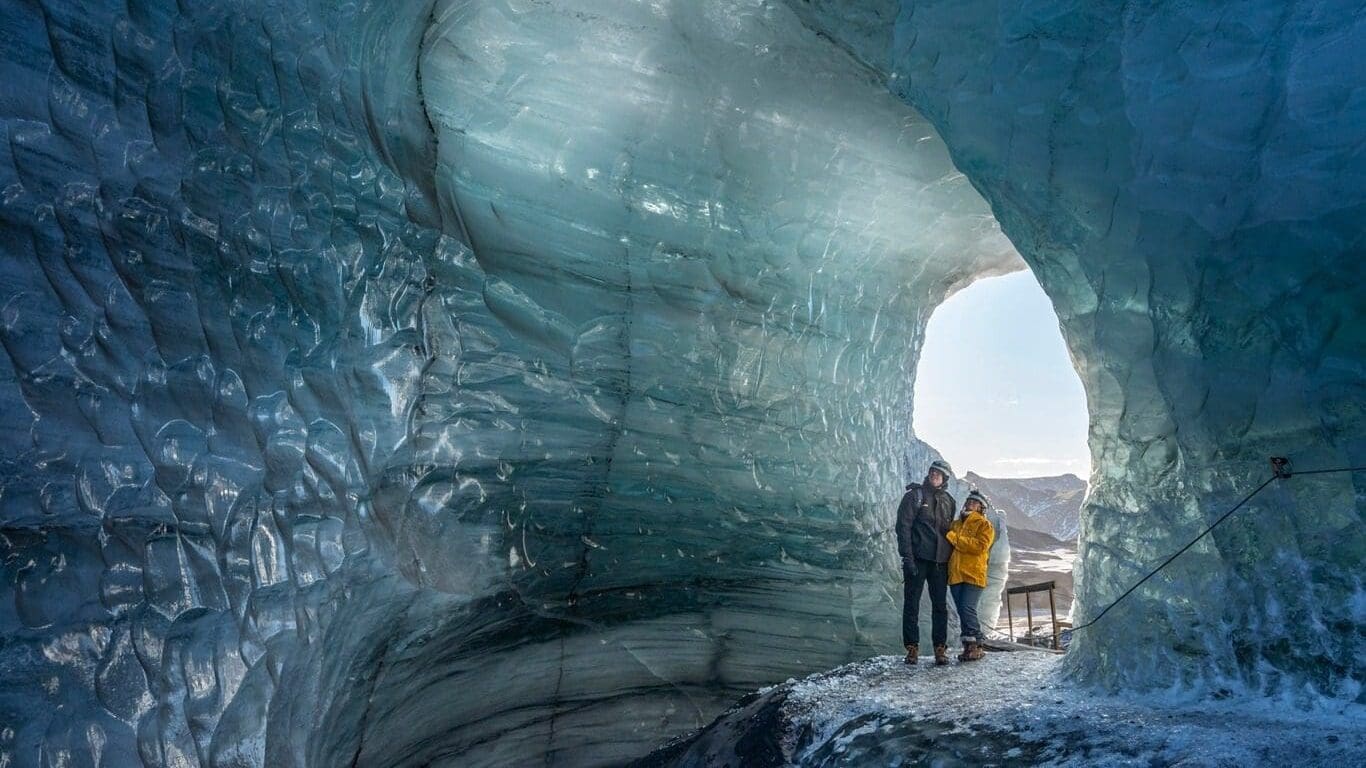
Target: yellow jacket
point(971, 538)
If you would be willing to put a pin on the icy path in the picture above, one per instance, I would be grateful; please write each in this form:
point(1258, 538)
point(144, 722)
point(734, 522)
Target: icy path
point(1010, 709)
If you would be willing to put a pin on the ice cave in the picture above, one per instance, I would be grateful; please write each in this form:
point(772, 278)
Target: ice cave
point(524, 382)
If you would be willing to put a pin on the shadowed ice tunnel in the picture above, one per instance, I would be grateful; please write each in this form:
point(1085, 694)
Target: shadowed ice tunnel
point(474, 382)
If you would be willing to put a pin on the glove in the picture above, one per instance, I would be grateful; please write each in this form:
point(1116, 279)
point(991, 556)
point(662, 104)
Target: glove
point(908, 566)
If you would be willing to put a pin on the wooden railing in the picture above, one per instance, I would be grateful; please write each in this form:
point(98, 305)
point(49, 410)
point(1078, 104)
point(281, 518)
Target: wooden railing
point(1028, 590)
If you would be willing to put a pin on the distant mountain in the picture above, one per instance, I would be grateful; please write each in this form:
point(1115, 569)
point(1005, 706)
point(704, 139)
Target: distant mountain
point(1051, 505)
point(1037, 541)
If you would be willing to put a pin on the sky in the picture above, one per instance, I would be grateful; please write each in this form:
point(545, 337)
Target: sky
point(996, 392)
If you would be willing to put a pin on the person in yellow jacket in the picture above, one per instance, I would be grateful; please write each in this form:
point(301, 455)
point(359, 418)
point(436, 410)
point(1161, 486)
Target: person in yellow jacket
point(971, 536)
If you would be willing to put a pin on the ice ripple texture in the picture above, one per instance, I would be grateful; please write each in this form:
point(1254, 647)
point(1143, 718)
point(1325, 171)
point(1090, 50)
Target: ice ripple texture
point(543, 418)
point(1187, 184)
point(410, 382)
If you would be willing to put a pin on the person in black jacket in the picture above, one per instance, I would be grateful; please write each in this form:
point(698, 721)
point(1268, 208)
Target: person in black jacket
point(922, 523)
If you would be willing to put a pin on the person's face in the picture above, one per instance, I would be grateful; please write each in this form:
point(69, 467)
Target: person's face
point(936, 478)
point(974, 506)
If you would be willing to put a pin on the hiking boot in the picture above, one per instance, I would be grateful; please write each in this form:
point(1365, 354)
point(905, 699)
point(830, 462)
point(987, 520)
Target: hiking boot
point(971, 651)
point(912, 653)
point(941, 655)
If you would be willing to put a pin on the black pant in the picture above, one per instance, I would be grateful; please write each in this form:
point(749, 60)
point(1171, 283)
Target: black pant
point(937, 576)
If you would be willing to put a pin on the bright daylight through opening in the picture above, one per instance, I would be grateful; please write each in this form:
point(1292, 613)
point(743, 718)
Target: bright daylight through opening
point(995, 391)
point(997, 394)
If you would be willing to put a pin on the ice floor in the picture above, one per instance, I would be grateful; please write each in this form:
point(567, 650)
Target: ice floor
point(1010, 709)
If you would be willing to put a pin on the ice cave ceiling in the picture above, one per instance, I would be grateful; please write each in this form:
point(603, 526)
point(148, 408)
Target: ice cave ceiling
point(468, 382)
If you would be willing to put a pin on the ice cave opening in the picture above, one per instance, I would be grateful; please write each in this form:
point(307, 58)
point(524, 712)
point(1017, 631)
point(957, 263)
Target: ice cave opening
point(996, 391)
point(998, 396)
point(476, 383)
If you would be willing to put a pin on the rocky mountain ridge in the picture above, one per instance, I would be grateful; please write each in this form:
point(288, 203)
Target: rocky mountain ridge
point(1050, 505)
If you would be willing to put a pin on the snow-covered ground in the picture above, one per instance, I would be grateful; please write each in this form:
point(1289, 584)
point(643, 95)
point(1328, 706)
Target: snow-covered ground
point(1019, 700)
point(1012, 709)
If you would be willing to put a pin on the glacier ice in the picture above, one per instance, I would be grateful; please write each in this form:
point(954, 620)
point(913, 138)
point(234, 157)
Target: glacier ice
point(464, 381)
point(1012, 709)
point(392, 436)
point(1186, 183)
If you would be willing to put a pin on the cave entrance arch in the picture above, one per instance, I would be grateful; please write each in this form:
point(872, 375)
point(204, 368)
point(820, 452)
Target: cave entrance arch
point(999, 396)
point(996, 391)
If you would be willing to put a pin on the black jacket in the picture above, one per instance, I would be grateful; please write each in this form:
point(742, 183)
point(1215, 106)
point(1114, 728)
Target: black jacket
point(922, 522)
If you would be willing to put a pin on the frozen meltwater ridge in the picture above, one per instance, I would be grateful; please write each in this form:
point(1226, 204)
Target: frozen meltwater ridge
point(481, 383)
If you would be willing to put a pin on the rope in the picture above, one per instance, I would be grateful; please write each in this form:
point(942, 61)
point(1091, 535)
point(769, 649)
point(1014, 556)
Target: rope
point(1326, 471)
point(1212, 526)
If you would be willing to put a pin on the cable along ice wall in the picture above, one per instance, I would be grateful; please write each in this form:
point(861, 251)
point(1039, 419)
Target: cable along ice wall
point(1187, 183)
point(483, 408)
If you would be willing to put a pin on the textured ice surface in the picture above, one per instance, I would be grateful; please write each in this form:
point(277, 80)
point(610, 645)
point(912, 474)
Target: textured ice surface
point(544, 415)
point(1011, 709)
point(1187, 183)
point(542, 421)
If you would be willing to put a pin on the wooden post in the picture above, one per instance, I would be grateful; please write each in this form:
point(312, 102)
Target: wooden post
point(1053, 610)
point(1029, 610)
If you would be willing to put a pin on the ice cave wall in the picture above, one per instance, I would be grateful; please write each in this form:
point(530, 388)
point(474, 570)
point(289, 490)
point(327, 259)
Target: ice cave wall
point(1187, 183)
point(368, 400)
point(374, 411)
point(215, 269)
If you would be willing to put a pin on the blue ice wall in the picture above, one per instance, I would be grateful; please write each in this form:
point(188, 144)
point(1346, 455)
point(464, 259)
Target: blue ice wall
point(1186, 183)
point(468, 382)
point(216, 250)
point(382, 388)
